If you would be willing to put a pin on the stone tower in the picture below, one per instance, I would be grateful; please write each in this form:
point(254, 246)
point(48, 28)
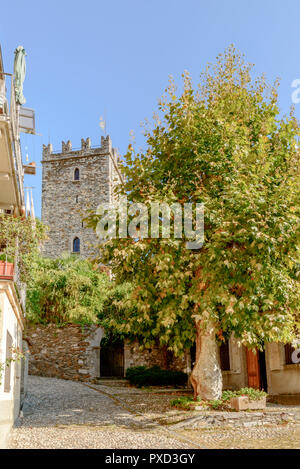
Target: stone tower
point(73, 181)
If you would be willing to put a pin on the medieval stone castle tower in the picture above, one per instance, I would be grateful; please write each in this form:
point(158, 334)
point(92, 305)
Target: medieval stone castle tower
point(73, 181)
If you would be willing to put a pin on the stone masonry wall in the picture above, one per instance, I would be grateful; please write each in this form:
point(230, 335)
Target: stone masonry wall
point(73, 352)
point(65, 200)
point(134, 356)
point(63, 352)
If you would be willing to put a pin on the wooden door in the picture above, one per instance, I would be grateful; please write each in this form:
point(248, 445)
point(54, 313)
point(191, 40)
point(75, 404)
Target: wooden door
point(253, 369)
point(112, 360)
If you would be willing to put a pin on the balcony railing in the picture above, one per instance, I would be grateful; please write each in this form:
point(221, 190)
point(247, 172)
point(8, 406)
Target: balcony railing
point(10, 113)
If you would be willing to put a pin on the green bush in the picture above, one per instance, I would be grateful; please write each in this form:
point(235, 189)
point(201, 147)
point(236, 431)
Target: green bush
point(155, 376)
point(182, 402)
point(186, 402)
point(253, 394)
point(134, 370)
point(65, 290)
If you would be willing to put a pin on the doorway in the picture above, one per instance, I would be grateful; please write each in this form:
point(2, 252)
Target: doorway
point(112, 359)
point(256, 367)
point(263, 371)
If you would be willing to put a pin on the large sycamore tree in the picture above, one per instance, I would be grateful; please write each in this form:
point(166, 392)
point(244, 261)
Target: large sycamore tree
point(223, 144)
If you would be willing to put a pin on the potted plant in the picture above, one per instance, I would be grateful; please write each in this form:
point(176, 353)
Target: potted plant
point(248, 399)
point(6, 267)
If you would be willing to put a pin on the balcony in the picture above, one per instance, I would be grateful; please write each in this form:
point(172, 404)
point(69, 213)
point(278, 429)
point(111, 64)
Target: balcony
point(11, 168)
point(13, 120)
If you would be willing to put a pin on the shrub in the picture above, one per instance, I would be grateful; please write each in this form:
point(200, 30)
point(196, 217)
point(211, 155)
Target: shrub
point(65, 290)
point(183, 402)
point(155, 376)
point(216, 404)
point(134, 370)
point(253, 394)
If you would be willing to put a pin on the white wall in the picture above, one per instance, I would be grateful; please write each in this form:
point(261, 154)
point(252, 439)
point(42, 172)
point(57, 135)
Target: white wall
point(10, 321)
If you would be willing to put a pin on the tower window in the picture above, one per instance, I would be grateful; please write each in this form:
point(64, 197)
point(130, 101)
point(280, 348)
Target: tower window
point(76, 199)
point(76, 174)
point(76, 245)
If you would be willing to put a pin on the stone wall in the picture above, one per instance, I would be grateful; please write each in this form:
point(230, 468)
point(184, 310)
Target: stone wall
point(134, 356)
point(73, 352)
point(65, 200)
point(66, 352)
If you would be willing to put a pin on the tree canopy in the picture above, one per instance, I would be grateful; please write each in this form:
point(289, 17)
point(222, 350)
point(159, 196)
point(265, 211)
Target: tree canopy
point(65, 290)
point(223, 144)
point(70, 289)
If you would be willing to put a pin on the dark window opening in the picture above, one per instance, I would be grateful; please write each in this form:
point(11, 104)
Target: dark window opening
point(76, 245)
point(224, 356)
point(76, 174)
point(288, 350)
point(76, 199)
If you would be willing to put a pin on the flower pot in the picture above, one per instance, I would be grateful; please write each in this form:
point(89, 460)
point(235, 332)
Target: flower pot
point(244, 403)
point(6, 270)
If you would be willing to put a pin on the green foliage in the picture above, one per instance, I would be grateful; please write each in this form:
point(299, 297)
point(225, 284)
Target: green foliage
point(66, 290)
point(20, 241)
point(155, 376)
point(112, 316)
point(183, 402)
point(5, 257)
point(216, 404)
point(227, 395)
point(134, 371)
point(223, 403)
point(224, 145)
point(253, 394)
point(17, 355)
point(187, 402)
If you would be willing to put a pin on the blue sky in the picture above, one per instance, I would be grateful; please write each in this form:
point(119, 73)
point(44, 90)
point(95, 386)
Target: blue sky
point(115, 56)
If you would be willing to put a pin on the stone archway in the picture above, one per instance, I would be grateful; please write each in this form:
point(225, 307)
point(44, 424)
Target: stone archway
point(94, 351)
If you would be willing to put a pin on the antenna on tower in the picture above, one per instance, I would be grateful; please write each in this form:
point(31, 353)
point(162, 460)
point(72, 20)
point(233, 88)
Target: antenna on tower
point(102, 123)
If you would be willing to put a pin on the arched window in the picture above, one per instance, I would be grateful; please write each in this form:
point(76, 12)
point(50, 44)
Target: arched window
point(76, 245)
point(76, 174)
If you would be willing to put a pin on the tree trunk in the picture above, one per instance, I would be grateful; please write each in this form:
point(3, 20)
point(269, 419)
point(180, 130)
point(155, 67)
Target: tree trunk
point(206, 377)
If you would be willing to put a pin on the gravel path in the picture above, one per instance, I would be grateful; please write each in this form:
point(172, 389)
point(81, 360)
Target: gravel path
point(66, 414)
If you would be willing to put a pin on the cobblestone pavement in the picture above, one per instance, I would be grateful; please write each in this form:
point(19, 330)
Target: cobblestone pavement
point(66, 414)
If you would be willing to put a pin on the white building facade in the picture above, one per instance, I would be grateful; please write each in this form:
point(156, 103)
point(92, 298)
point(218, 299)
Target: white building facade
point(12, 292)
